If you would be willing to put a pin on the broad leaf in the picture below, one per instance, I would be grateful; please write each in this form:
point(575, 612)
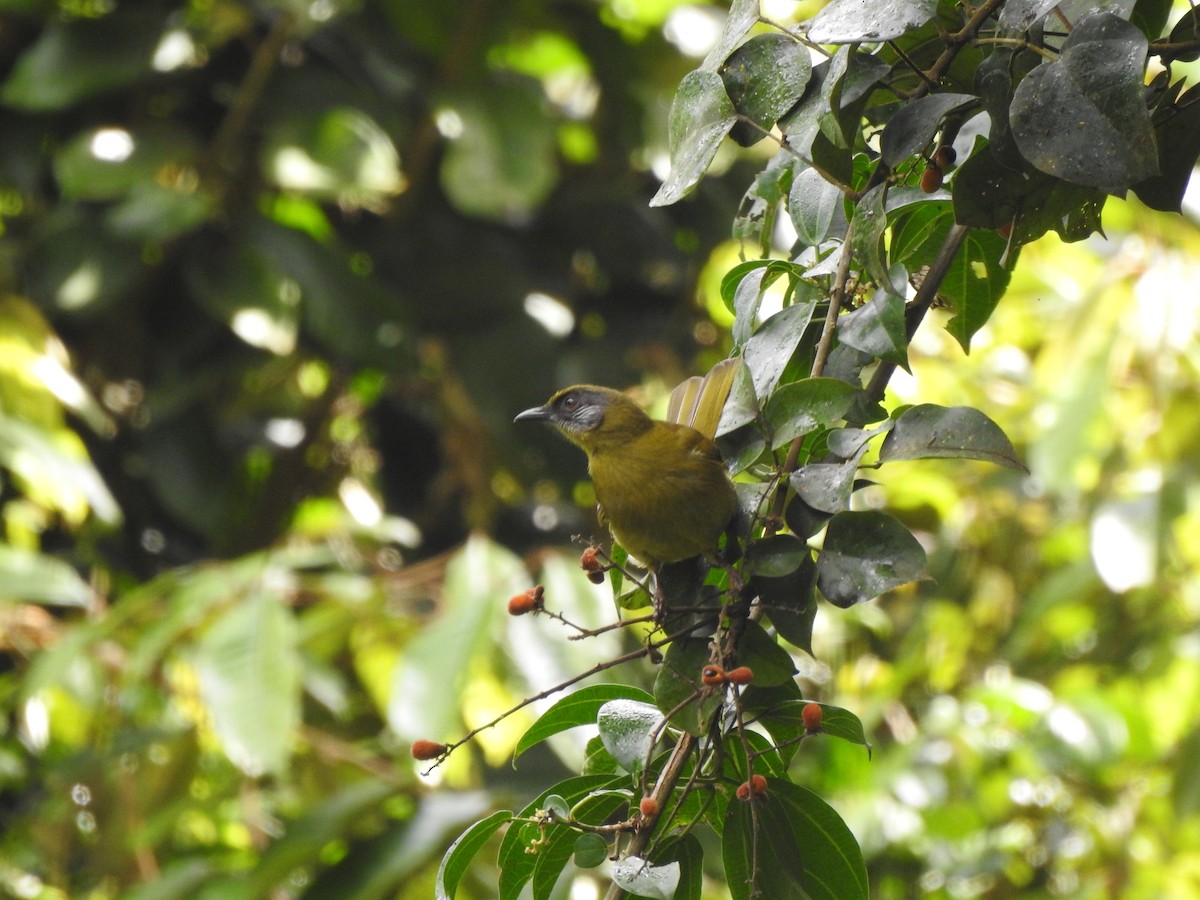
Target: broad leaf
point(458, 857)
point(643, 879)
point(764, 78)
point(798, 847)
point(912, 128)
point(249, 669)
point(678, 680)
point(35, 578)
point(864, 555)
point(937, 432)
point(974, 283)
point(772, 664)
point(816, 207)
point(851, 21)
point(579, 708)
point(804, 406)
point(701, 115)
point(776, 556)
point(1083, 116)
point(627, 729)
point(877, 328)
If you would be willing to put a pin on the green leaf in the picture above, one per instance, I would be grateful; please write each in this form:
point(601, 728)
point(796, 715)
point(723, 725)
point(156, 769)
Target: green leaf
point(579, 708)
point(248, 665)
point(798, 847)
point(816, 206)
point(590, 850)
point(1083, 117)
point(503, 163)
point(911, 129)
point(550, 860)
point(1177, 130)
point(678, 680)
point(74, 59)
point(701, 115)
point(877, 328)
point(866, 554)
point(937, 432)
point(746, 298)
point(458, 857)
point(764, 78)
point(785, 721)
point(790, 605)
point(804, 406)
point(974, 284)
point(429, 679)
point(31, 577)
point(627, 729)
point(107, 163)
point(770, 662)
point(776, 556)
point(867, 228)
point(516, 865)
point(852, 21)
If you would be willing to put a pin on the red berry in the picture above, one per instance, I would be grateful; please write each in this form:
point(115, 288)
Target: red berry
point(811, 716)
point(743, 791)
point(426, 750)
point(589, 560)
point(944, 157)
point(1006, 229)
point(527, 602)
point(649, 807)
point(758, 784)
point(713, 675)
point(740, 675)
point(931, 179)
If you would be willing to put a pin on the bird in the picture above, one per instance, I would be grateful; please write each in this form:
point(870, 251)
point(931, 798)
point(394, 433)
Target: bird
point(661, 486)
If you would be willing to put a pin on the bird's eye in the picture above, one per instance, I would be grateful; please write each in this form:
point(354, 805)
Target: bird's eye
point(570, 402)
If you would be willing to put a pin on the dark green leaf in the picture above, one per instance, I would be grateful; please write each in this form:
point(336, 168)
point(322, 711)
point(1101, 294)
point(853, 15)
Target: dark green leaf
point(1186, 30)
point(877, 328)
point(912, 129)
point(590, 850)
point(458, 857)
point(678, 680)
point(776, 556)
point(798, 847)
point(937, 432)
point(107, 163)
point(771, 663)
point(550, 860)
point(579, 708)
point(851, 21)
point(974, 283)
point(866, 554)
point(1082, 117)
point(867, 228)
point(770, 349)
point(825, 486)
point(790, 605)
point(687, 851)
point(764, 78)
point(74, 59)
point(1177, 129)
point(787, 718)
point(701, 115)
point(804, 406)
point(743, 15)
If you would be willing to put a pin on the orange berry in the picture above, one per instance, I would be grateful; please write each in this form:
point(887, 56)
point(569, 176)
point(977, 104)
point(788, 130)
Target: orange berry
point(743, 791)
point(740, 675)
point(944, 157)
point(713, 675)
point(931, 179)
point(811, 716)
point(528, 602)
point(1006, 229)
point(758, 784)
point(649, 807)
point(425, 750)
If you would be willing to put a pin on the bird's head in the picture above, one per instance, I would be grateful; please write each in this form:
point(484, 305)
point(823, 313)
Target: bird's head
point(590, 416)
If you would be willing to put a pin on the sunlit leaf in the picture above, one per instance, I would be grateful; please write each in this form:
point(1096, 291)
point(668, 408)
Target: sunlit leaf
point(764, 78)
point(627, 729)
point(459, 856)
point(851, 21)
point(803, 406)
point(36, 578)
point(249, 669)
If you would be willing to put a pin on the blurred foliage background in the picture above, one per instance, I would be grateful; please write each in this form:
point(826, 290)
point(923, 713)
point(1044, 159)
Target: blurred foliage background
point(275, 277)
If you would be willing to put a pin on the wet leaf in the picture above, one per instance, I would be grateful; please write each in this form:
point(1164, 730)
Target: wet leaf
point(866, 554)
point(851, 21)
point(701, 115)
point(937, 432)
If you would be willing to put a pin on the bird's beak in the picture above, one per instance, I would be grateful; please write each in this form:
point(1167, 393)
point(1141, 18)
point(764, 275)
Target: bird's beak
point(536, 414)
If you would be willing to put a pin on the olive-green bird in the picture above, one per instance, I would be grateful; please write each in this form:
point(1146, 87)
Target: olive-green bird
point(662, 489)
